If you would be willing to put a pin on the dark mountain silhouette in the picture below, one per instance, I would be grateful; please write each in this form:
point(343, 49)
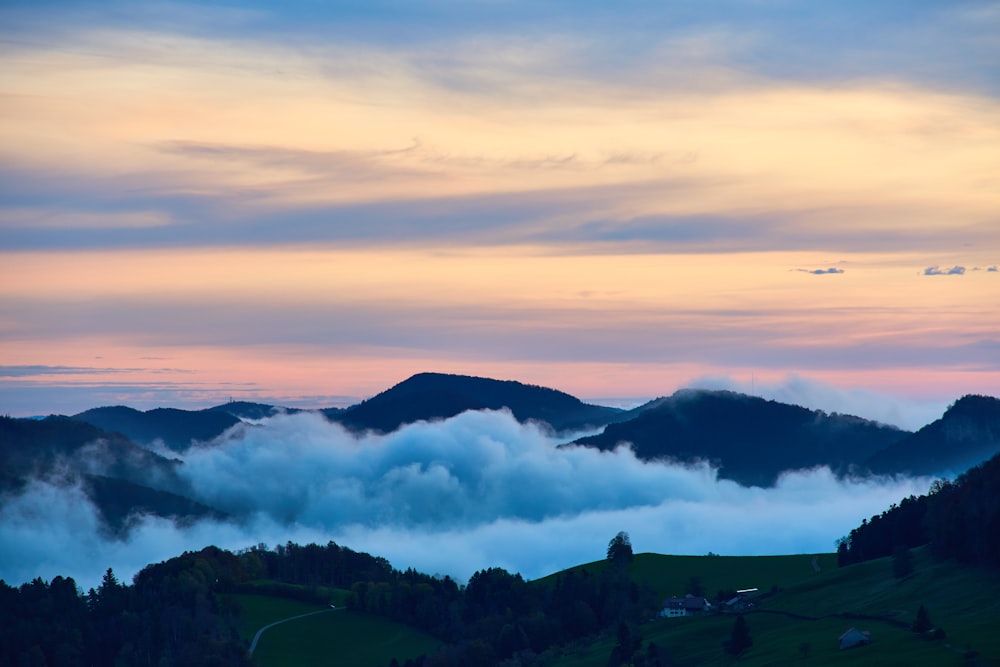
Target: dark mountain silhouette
point(967, 434)
point(120, 502)
point(752, 440)
point(121, 478)
point(30, 447)
point(428, 396)
point(176, 428)
point(249, 410)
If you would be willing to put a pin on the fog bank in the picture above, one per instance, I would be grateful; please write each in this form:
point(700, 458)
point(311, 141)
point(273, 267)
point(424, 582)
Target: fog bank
point(447, 497)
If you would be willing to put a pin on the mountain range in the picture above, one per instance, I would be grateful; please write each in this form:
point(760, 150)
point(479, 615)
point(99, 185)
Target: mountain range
point(110, 451)
point(751, 440)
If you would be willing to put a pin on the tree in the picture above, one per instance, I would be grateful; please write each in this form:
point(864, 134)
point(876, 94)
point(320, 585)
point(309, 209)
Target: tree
point(628, 643)
point(620, 549)
point(923, 622)
point(739, 640)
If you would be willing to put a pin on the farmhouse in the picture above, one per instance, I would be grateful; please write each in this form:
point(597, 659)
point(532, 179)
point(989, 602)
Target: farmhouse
point(689, 605)
point(855, 637)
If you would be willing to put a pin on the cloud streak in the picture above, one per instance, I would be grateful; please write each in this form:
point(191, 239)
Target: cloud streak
point(449, 497)
point(956, 270)
point(713, 146)
point(822, 272)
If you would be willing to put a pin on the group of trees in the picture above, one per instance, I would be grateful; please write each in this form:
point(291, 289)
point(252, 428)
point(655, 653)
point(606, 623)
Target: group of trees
point(498, 616)
point(902, 526)
point(182, 611)
point(959, 519)
point(173, 614)
point(179, 612)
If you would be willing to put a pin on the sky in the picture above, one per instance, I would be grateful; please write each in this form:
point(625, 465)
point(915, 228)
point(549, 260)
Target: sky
point(305, 203)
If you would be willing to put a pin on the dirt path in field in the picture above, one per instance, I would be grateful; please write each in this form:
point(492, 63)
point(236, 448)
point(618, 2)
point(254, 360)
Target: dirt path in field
point(816, 566)
point(256, 637)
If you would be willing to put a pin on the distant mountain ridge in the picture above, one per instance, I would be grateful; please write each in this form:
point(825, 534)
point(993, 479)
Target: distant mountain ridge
point(250, 410)
point(967, 434)
point(122, 479)
point(752, 440)
point(177, 429)
point(430, 396)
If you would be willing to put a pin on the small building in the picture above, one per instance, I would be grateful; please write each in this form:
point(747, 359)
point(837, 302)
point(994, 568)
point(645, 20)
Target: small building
point(689, 605)
point(854, 637)
point(672, 608)
point(740, 601)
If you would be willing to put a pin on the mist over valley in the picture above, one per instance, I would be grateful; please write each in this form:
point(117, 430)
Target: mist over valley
point(451, 474)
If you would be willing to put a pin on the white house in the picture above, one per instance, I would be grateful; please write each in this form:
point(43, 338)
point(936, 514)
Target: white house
point(689, 605)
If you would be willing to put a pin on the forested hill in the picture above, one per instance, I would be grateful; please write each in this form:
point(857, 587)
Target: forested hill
point(35, 448)
point(751, 439)
point(428, 396)
point(182, 612)
point(178, 429)
point(967, 434)
point(959, 519)
point(65, 451)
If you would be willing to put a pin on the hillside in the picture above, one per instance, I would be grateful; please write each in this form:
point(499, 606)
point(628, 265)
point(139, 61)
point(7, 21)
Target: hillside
point(571, 618)
point(752, 440)
point(429, 396)
point(967, 434)
point(118, 476)
point(31, 448)
point(798, 618)
point(178, 429)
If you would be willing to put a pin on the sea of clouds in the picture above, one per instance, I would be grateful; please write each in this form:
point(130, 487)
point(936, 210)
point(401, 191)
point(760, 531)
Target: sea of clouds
point(448, 497)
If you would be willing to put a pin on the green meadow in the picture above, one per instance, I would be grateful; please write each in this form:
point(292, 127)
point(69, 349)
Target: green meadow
point(805, 602)
point(802, 612)
point(341, 637)
point(670, 575)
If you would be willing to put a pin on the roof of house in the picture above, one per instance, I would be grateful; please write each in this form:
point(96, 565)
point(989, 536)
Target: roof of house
point(864, 633)
point(687, 602)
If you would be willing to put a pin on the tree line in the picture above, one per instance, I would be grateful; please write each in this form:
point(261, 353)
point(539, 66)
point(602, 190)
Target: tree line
point(183, 611)
point(173, 613)
point(959, 520)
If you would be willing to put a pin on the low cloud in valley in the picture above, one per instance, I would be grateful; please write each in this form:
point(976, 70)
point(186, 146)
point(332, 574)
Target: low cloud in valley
point(448, 497)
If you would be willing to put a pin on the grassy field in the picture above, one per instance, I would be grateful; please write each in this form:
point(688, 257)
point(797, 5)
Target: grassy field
point(344, 638)
point(806, 602)
point(256, 611)
point(965, 602)
point(669, 575)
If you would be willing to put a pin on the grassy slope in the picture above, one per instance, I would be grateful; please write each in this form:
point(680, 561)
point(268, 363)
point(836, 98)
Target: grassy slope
point(347, 638)
point(964, 601)
point(669, 575)
point(256, 611)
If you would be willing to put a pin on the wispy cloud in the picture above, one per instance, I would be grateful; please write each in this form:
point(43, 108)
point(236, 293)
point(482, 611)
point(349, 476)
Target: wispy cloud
point(822, 272)
point(39, 369)
point(956, 270)
point(725, 139)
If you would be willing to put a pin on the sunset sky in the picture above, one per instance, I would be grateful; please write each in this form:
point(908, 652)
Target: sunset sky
point(305, 202)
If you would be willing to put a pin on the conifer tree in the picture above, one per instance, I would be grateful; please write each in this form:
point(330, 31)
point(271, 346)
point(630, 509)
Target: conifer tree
point(923, 622)
point(739, 640)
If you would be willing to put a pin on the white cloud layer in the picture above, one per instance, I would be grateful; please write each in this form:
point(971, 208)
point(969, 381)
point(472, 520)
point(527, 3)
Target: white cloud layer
point(450, 497)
